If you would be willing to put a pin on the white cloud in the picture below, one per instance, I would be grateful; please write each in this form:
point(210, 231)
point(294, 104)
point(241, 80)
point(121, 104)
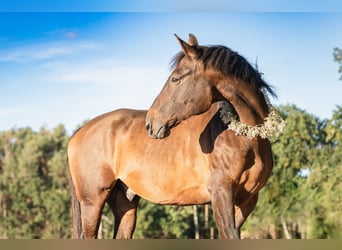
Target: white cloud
point(104, 72)
point(44, 51)
point(70, 34)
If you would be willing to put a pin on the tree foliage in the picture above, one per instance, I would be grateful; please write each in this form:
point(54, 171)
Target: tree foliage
point(34, 199)
point(302, 198)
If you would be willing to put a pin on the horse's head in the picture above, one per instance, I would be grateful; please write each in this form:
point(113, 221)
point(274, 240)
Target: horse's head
point(187, 92)
point(202, 75)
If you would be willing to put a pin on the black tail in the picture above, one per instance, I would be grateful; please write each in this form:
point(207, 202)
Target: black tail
point(75, 212)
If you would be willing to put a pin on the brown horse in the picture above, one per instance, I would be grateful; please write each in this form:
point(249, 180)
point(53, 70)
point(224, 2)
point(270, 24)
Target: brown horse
point(112, 159)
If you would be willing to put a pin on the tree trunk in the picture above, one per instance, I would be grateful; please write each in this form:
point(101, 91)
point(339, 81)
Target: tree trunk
point(212, 233)
point(285, 229)
point(206, 221)
point(196, 222)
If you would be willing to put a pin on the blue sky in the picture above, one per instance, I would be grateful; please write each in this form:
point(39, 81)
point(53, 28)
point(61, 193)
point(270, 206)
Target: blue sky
point(172, 5)
point(60, 67)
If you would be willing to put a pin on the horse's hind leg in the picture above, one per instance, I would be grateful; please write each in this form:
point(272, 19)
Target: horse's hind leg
point(125, 211)
point(91, 209)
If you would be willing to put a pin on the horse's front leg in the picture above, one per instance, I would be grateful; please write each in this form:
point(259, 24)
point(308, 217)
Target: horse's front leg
point(222, 200)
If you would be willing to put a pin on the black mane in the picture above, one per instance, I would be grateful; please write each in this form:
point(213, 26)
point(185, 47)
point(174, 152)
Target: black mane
point(230, 63)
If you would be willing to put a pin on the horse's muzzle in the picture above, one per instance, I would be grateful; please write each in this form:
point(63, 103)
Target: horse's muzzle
point(158, 132)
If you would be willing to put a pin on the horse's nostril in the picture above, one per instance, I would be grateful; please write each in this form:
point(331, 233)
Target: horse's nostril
point(148, 126)
point(149, 129)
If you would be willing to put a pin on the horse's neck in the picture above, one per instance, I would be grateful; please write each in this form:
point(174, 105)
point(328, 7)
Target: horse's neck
point(250, 106)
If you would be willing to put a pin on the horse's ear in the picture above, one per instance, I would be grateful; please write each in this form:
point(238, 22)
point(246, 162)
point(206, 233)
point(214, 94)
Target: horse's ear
point(192, 40)
point(187, 48)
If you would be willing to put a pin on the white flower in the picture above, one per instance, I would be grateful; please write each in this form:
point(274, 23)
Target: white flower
point(271, 129)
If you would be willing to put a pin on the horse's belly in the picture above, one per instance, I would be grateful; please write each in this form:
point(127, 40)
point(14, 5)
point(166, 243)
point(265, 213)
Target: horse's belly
point(166, 196)
point(168, 183)
point(189, 196)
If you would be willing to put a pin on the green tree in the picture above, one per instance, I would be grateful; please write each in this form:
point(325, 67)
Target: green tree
point(325, 182)
point(20, 185)
point(34, 199)
point(282, 199)
point(57, 197)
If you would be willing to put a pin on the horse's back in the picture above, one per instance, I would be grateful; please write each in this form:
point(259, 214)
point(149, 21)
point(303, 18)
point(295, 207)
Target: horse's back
point(101, 127)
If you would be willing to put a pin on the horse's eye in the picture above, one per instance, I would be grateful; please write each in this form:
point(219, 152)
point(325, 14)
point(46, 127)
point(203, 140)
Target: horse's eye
point(175, 79)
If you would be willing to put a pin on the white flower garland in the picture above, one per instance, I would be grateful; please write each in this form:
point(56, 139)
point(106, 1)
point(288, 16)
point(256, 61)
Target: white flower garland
point(271, 129)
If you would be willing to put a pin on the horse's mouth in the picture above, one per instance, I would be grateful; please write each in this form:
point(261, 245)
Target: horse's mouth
point(163, 132)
